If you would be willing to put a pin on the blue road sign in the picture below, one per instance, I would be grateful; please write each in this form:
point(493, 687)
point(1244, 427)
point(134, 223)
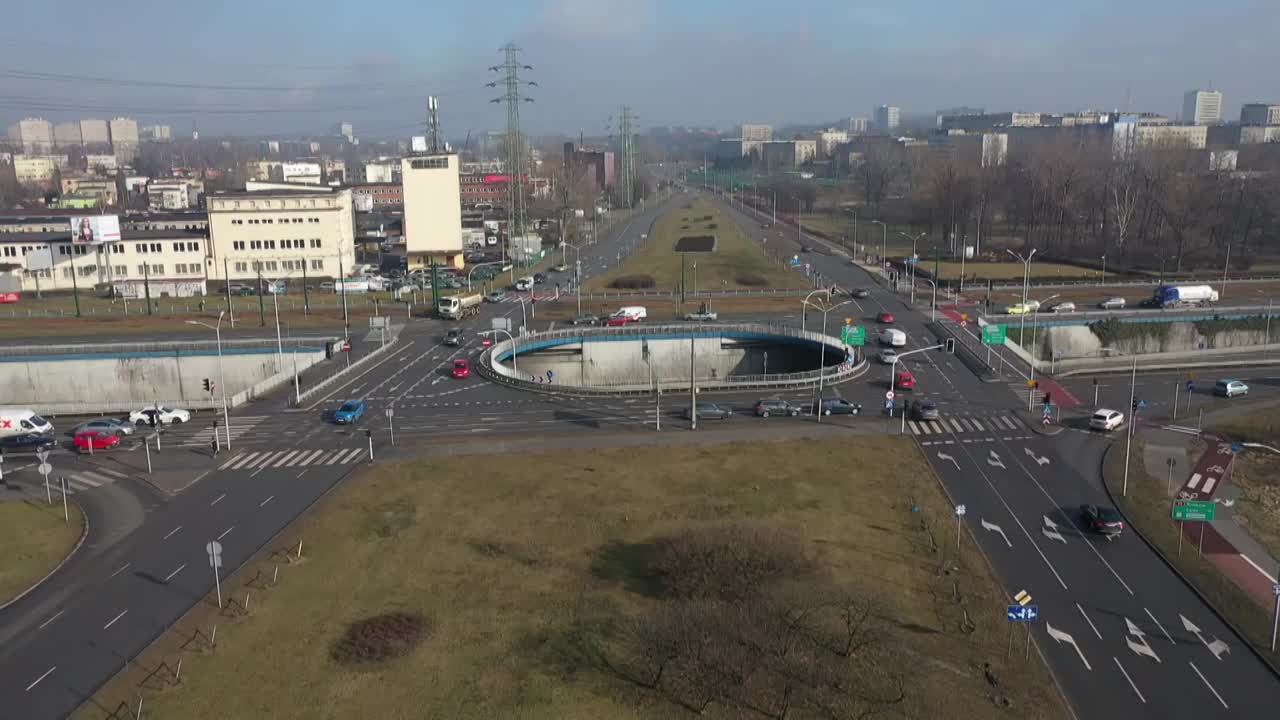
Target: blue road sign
point(1142, 404)
point(1190, 386)
point(1048, 410)
point(1237, 447)
point(1022, 613)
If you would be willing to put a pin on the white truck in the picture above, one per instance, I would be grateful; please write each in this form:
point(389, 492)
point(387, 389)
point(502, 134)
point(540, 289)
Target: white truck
point(457, 307)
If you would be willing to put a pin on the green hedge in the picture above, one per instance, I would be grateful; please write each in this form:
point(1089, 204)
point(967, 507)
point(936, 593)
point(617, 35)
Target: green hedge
point(1210, 328)
point(1112, 331)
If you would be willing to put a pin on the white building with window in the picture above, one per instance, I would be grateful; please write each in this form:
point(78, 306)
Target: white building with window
point(172, 261)
point(432, 210)
point(286, 234)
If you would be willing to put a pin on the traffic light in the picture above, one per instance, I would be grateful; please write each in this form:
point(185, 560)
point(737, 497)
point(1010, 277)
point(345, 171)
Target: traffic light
point(951, 345)
point(151, 418)
point(208, 386)
point(1135, 404)
point(368, 433)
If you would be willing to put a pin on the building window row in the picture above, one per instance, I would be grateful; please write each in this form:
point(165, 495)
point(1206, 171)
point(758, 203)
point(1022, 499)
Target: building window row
point(155, 269)
point(430, 163)
point(147, 247)
point(272, 221)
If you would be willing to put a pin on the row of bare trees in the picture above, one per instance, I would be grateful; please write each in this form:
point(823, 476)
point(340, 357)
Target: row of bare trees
point(1152, 206)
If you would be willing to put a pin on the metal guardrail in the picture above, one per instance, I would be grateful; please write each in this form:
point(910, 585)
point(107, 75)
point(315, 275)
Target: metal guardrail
point(374, 353)
point(170, 346)
point(709, 294)
point(853, 365)
point(1183, 314)
point(1145, 282)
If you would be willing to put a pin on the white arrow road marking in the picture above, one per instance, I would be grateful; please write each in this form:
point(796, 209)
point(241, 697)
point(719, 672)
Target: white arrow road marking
point(1050, 531)
point(1086, 619)
point(1126, 677)
point(952, 460)
point(1041, 461)
point(1217, 647)
point(992, 527)
point(1206, 684)
point(994, 460)
point(1216, 469)
point(1062, 637)
point(1141, 647)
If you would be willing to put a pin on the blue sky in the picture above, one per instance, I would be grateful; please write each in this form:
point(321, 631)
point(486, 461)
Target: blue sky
point(703, 62)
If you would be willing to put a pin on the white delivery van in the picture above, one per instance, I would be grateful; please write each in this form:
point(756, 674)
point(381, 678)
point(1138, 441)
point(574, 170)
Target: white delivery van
point(14, 421)
point(893, 337)
point(633, 313)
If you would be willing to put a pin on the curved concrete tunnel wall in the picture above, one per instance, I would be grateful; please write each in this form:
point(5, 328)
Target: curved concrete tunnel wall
point(622, 360)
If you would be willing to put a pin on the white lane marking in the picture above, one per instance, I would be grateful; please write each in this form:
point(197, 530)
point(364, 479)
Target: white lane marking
point(172, 532)
point(1126, 677)
point(169, 577)
point(227, 464)
point(244, 460)
point(1194, 481)
point(1086, 619)
point(352, 456)
point(915, 429)
point(269, 499)
point(1209, 482)
point(958, 427)
point(311, 457)
point(282, 460)
point(45, 675)
point(225, 532)
point(217, 499)
point(304, 472)
point(46, 622)
point(977, 424)
point(116, 618)
point(122, 569)
point(1157, 622)
point(1206, 683)
point(1256, 566)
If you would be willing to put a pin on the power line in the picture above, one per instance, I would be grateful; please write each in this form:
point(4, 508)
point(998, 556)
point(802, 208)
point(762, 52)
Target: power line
point(119, 82)
point(511, 82)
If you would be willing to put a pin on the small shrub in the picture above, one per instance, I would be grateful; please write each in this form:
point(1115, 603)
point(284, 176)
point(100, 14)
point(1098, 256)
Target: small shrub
point(751, 280)
point(633, 282)
point(379, 638)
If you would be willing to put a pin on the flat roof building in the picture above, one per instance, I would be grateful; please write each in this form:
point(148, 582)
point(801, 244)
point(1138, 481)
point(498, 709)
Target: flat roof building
point(432, 210)
point(283, 233)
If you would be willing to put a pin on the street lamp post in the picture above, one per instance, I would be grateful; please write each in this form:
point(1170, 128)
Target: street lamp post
point(933, 303)
point(914, 261)
point(884, 245)
point(805, 303)
point(510, 337)
point(477, 266)
point(1103, 280)
point(822, 361)
point(217, 330)
point(1026, 274)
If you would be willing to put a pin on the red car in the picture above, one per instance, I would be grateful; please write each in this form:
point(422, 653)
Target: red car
point(96, 440)
point(486, 341)
point(461, 369)
point(884, 317)
point(904, 380)
point(616, 320)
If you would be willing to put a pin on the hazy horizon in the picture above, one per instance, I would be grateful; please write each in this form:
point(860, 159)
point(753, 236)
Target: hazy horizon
point(289, 68)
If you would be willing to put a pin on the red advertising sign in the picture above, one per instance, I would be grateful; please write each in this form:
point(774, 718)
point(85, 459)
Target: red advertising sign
point(9, 297)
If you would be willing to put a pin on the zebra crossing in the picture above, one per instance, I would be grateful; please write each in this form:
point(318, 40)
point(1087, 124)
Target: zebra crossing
point(83, 480)
point(307, 457)
point(240, 426)
point(945, 426)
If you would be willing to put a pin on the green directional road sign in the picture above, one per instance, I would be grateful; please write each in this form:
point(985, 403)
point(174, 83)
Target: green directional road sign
point(1194, 510)
point(853, 335)
point(993, 334)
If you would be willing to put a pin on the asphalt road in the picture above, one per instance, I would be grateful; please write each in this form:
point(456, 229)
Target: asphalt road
point(1122, 635)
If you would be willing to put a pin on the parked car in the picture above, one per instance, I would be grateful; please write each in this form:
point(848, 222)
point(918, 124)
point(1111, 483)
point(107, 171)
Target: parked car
point(349, 412)
point(702, 316)
point(496, 296)
point(923, 409)
point(1102, 520)
point(860, 293)
point(1064, 307)
point(453, 337)
point(1112, 303)
point(461, 369)
point(240, 289)
point(328, 285)
point(904, 380)
point(885, 318)
point(775, 406)
point(27, 442)
point(711, 411)
point(586, 320)
point(1106, 420)
point(888, 356)
point(161, 414)
point(1230, 388)
point(91, 440)
point(112, 425)
point(836, 406)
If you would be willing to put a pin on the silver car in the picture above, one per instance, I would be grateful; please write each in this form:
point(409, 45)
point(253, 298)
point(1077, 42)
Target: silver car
point(106, 425)
point(1112, 303)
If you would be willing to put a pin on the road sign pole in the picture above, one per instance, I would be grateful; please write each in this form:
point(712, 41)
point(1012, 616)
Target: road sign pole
point(1275, 617)
point(65, 517)
point(1177, 387)
point(1182, 525)
point(1200, 550)
point(146, 444)
point(217, 583)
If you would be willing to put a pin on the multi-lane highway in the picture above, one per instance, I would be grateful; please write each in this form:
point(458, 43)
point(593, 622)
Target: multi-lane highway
point(1123, 636)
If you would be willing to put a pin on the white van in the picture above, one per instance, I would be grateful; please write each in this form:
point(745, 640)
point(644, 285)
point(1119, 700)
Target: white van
point(633, 313)
point(525, 283)
point(14, 421)
point(893, 337)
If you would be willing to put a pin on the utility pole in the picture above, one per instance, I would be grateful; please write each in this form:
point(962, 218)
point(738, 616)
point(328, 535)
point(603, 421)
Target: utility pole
point(516, 155)
point(627, 162)
point(433, 125)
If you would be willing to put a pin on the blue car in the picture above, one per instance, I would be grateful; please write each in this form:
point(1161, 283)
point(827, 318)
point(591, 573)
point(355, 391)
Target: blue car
point(349, 412)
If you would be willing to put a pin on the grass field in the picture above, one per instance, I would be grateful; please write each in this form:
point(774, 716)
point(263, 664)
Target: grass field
point(1147, 507)
point(525, 571)
point(665, 309)
point(1009, 271)
point(737, 262)
point(35, 539)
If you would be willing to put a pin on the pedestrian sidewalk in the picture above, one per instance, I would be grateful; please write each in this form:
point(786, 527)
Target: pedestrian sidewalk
point(1208, 477)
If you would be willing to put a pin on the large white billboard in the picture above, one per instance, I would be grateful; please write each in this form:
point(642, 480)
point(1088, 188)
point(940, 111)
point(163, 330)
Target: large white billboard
point(94, 229)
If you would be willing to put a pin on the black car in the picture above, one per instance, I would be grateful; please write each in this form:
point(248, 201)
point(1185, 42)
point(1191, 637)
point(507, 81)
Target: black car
point(27, 442)
point(805, 248)
point(1102, 520)
point(453, 337)
point(775, 406)
point(711, 411)
point(586, 320)
point(539, 278)
point(924, 410)
point(836, 406)
point(860, 293)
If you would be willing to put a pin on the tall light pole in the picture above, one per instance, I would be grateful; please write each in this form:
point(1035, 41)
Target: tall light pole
point(477, 266)
point(1103, 280)
point(914, 261)
point(822, 361)
point(510, 337)
point(933, 304)
point(1026, 274)
point(805, 303)
point(884, 245)
point(217, 330)
point(1133, 419)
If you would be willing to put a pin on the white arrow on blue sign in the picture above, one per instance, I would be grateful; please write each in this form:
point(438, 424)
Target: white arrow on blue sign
point(1022, 613)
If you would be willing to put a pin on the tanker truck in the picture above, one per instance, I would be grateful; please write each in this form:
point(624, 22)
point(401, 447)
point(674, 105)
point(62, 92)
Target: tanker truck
point(457, 307)
point(1171, 296)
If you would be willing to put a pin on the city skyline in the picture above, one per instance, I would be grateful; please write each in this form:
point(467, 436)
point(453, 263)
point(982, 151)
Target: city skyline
point(677, 65)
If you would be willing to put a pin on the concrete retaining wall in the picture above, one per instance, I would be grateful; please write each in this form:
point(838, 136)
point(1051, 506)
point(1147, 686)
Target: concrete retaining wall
point(1079, 342)
point(88, 384)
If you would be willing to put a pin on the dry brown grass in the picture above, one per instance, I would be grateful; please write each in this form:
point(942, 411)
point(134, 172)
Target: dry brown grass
point(512, 561)
point(35, 539)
